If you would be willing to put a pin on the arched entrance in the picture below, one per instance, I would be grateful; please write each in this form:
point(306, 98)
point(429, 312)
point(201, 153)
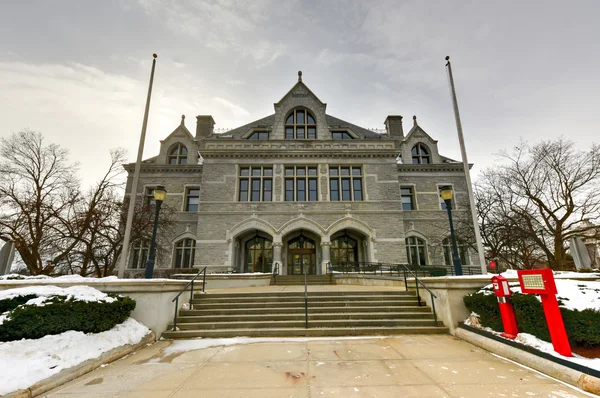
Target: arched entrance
point(348, 250)
point(302, 253)
point(254, 252)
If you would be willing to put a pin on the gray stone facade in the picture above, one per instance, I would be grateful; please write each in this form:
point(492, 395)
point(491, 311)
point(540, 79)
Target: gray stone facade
point(224, 227)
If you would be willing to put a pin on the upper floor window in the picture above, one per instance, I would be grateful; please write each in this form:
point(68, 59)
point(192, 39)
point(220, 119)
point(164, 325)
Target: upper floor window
point(300, 124)
point(416, 250)
point(178, 154)
point(256, 184)
point(149, 197)
point(301, 183)
point(192, 199)
point(408, 198)
point(185, 251)
point(420, 154)
point(345, 183)
point(341, 135)
point(259, 135)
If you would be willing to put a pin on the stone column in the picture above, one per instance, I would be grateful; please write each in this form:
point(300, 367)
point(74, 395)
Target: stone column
point(326, 256)
point(277, 256)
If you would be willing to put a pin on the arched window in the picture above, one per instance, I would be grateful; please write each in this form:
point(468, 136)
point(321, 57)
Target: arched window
point(300, 124)
point(178, 154)
point(259, 254)
point(463, 252)
point(140, 254)
point(416, 249)
point(185, 250)
point(420, 154)
point(344, 251)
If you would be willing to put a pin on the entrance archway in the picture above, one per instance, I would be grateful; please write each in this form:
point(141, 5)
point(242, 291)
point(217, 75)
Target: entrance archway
point(302, 253)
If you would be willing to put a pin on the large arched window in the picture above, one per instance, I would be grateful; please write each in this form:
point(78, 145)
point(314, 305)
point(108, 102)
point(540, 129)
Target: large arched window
point(185, 250)
point(178, 154)
point(300, 124)
point(463, 252)
point(140, 254)
point(420, 154)
point(259, 254)
point(344, 251)
point(416, 249)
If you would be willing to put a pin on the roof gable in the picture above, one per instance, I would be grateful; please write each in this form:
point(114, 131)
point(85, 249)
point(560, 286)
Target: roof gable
point(180, 132)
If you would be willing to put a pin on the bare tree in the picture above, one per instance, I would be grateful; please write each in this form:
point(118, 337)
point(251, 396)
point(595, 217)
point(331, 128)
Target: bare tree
point(537, 199)
point(39, 193)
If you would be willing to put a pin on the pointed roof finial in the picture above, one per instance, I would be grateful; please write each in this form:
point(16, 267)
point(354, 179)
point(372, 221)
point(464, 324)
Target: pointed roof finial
point(183, 120)
point(415, 120)
point(299, 76)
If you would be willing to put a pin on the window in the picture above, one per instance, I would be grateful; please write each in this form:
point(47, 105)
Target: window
point(149, 197)
point(259, 135)
point(407, 195)
point(416, 251)
point(259, 254)
point(178, 154)
point(300, 124)
point(341, 135)
point(301, 183)
point(345, 183)
point(344, 251)
point(443, 202)
point(192, 199)
point(420, 154)
point(463, 252)
point(185, 251)
point(140, 254)
point(256, 184)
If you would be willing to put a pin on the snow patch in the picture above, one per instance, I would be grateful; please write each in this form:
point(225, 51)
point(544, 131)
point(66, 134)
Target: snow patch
point(26, 362)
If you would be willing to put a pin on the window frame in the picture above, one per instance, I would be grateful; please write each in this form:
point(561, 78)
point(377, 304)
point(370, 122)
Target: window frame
point(259, 133)
point(251, 179)
point(295, 126)
point(140, 251)
point(295, 178)
point(186, 203)
point(412, 195)
point(176, 153)
point(191, 248)
point(422, 258)
point(344, 133)
point(419, 156)
point(345, 189)
point(463, 252)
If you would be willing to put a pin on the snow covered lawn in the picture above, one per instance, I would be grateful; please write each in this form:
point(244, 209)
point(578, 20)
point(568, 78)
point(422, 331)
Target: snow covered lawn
point(26, 362)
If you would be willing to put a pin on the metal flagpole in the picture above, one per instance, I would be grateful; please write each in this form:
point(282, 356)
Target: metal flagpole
point(463, 152)
point(136, 177)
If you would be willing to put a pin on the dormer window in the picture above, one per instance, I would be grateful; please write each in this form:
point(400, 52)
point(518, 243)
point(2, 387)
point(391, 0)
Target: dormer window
point(300, 125)
point(420, 154)
point(259, 135)
point(178, 154)
point(341, 135)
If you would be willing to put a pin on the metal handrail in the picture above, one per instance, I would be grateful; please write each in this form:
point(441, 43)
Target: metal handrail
point(190, 283)
point(275, 272)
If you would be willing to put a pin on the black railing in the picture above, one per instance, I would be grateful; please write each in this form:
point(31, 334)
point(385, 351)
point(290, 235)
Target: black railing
point(191, 286)
point(275, 272)
point(386, 269)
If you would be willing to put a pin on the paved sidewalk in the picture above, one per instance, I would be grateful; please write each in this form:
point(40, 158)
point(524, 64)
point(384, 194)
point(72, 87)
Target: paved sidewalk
point(405, 366)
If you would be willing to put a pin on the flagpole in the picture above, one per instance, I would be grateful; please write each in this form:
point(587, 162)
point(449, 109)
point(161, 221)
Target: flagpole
point(136, 177)
point(463, 152)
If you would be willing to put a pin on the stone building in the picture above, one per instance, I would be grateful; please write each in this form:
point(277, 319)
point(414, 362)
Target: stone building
point(301, 187)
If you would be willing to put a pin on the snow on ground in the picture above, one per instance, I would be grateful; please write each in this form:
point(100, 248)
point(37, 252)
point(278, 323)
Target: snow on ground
point(26, 362)
point(532, 341)
point(42, 279)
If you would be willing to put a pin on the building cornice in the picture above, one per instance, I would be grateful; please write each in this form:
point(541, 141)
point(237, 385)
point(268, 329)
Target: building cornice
point(431, 167)
point(165, 168)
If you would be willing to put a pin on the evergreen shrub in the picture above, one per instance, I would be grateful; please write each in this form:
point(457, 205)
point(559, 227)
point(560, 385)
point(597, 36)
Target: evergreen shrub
point(583, 327)
point(59, 314)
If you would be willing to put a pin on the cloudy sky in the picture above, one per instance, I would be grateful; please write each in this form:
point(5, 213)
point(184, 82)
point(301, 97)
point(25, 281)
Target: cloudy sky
point(77, 70)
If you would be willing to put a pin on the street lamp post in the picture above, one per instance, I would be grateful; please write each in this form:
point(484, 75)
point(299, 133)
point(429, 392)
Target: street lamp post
point(446, 194)
point(159, 196)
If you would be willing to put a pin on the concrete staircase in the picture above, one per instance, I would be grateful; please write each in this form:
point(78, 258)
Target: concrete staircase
point(282, 314)
point(292, 280)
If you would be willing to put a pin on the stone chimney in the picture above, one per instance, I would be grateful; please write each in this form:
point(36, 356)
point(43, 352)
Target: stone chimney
point(204, 126)
point(393, 126)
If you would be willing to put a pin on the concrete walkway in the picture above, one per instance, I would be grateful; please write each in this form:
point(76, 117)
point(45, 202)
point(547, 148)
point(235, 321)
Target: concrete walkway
point(407, 366)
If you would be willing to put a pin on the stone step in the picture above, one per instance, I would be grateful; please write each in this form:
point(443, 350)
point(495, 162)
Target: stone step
point(300, 310)
point(289, 299)
point(302, 332)
point(320, 294)
point(299, 316)
point(345, 323)
point(200, 304)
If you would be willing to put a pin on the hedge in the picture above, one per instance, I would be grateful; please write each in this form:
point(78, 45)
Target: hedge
point(60, 314)
point(12, 303)
point(583, 327)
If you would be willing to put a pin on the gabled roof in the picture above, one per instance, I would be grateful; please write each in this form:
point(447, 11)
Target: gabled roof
point(239, 132)
point(338, 124)
point(181, 129)
point(417, 130)
point(300, 84)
